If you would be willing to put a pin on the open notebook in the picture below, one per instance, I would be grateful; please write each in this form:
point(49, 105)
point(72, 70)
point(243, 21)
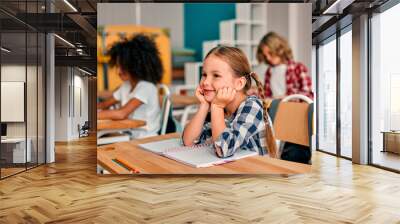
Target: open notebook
point(196, 156)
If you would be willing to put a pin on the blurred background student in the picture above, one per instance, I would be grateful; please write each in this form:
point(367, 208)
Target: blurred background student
point(284, 76)
point(139, 66)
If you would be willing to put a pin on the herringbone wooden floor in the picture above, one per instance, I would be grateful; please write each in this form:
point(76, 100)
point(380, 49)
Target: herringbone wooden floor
point(69, 191)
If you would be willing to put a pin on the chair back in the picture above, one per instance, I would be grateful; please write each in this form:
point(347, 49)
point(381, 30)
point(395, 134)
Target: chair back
point(165, 107)
point(86, 125)
point(293, 121)
point(167, 122)
point(293, 125)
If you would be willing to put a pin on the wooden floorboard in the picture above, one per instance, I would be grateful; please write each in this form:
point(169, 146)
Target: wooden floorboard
point(70, 191)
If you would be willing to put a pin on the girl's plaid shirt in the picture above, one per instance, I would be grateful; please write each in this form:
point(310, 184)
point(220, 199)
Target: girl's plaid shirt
point(245, 129)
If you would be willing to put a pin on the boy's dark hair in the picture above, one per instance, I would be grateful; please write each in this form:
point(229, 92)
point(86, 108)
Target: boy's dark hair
point(139, 57)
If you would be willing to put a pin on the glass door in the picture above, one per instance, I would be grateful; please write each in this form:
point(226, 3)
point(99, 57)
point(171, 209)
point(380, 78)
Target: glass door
point(346, 93)
point(14, 154)
point(22, 77)
point(385, 89)
point(327, 96)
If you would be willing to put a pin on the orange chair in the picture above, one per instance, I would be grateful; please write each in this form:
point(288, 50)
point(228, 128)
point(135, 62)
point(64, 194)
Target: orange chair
point(293, 126)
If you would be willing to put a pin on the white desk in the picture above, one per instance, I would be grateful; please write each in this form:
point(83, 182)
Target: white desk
point(18, 149)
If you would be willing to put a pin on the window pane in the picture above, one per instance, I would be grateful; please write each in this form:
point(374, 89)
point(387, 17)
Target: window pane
point(346, 94)
point(22, 81)
point(327, 97)
point(14, 153)
point(385, 85)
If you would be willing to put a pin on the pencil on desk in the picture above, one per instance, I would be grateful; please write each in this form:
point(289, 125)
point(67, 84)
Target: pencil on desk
point(121, 165)
point(128, 165)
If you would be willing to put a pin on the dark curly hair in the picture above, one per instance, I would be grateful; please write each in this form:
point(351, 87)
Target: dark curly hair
point(139, 57)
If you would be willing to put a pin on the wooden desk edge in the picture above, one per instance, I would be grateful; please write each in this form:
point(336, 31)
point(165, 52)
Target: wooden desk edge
point(287, 171)
point(119, 124)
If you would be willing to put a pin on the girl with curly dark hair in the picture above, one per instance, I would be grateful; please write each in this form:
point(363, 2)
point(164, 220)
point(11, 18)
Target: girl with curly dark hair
point(140, 67)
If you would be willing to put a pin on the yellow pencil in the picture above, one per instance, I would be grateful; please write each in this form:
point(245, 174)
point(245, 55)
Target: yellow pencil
point(128, 165)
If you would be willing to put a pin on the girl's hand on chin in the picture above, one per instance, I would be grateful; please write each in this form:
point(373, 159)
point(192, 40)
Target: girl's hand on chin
point(200, 95)
point(224, 96)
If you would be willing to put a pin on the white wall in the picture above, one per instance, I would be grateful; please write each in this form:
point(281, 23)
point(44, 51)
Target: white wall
point(61, 103)
point(15, 72)
point(116, 13)
point(293, 21)
point(300, 32)
point(82, 82)
point(70, 83)
point(278, 19)
point(80, 98)
point(166, 15)
point(169, 15)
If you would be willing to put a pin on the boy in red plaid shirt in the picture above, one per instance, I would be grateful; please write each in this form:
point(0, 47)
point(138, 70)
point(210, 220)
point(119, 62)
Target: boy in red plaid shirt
point(284, 76)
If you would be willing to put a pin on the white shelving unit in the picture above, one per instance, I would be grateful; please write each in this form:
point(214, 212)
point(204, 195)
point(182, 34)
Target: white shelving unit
point(227, 30)
point(193, 73)
point(208, 45)
point(244, 32)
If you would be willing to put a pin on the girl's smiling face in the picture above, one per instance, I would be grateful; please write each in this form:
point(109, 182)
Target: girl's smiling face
point(215, 75)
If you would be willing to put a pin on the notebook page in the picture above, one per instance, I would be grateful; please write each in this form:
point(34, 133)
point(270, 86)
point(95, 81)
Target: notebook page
point(160, 146)
point(204, 156)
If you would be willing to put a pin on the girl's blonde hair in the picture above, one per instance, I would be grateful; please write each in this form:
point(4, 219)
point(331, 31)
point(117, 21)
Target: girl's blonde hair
point(238, 62)
point(277, 45)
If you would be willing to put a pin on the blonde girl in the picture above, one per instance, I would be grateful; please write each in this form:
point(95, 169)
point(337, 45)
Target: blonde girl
point(238, 121)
